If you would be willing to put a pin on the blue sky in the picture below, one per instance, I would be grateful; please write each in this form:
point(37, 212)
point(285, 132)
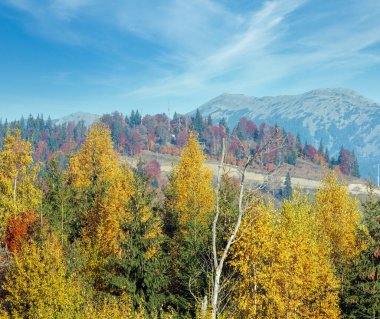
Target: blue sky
point(63, 56)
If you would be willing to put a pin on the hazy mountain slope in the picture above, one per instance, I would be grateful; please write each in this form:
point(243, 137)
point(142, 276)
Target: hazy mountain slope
point(88, 118)
point(338, 116)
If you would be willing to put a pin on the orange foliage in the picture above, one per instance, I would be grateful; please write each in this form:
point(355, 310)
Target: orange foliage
point(170, 150)
point(17, 229)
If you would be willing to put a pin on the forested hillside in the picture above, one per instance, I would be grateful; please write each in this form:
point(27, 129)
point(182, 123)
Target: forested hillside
point(335, 115)
point(98, 239)
point(158, 133)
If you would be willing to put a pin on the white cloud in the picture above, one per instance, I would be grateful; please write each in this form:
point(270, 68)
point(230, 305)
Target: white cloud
point(256, 57)
point(206, 49)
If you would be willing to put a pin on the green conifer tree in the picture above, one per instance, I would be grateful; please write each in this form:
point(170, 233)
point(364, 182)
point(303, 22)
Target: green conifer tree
point(198, 122)
point(223, 122)
point(354, 165)
point(326, 156)
point(288, 191)
point(141, 268)
point(209, 120)
point(320, 148)
point(361, 287)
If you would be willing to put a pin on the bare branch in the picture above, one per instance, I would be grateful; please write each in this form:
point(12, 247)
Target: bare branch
point(217, 211)
point(191, 280)
point(220, 285)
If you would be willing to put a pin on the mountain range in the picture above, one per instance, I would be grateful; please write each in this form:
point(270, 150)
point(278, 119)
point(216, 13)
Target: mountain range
point(337, 116)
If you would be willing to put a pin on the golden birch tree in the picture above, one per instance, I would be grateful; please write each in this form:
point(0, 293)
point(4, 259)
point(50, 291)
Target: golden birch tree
point(339, 217)
point(18, 175)
point(102, 183)
point(188, 212)
point(284, 265)
point(191, 185)
point(37, 286)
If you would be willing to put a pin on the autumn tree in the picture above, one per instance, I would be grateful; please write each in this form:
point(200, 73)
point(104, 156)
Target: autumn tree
point(18, 175)
point(101, 185)
point(339, 217)
point(189, 204)
point(110, 307)
point(250, 254)
point(140, 271)
point(246, 129)
point(18, 229)
point(223, 123)
point(190, 186)
point(37, 286)
point(220, 254)
point(284, 265)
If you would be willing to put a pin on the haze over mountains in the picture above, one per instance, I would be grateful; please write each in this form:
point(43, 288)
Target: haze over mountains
point(337, 116)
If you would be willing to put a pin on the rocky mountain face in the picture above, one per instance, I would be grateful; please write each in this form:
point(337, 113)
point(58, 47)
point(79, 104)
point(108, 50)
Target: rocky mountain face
point(87, 118)
point(337, 116)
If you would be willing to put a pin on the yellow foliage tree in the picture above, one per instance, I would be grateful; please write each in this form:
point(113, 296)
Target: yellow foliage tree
point(251, 254)
point(191, 185)
point(37, 286)
point(116, 308)
point(96, 162)
point(18, 174)
point(284, 265)
point(339, 217)
point(103, 184)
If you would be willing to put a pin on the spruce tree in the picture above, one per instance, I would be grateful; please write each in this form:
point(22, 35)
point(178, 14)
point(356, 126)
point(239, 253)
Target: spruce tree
point(354, 165)
point(320, 148)
point(57, 204)
point(298, 143)
point(189, 206)
point(132, 118)
point(326, 155)
point(209, 120)
point(361, 287)
point(138, 118)
point(288, 191)
point(141, 268)
point(223, 122)
point(291, 157)
point(198, 122)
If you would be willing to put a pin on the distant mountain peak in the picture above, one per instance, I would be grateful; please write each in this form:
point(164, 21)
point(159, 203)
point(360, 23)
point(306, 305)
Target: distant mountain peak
point(87, 118)
point(338, 116)
point(339, 90)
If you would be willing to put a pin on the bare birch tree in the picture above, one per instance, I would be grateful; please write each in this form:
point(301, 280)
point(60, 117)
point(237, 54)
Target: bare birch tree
point(218, 285)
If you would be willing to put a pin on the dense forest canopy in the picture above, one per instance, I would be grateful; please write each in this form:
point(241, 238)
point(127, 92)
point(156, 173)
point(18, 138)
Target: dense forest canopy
point(97, 238)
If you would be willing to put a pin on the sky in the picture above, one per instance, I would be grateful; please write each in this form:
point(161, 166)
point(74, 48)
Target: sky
point(62, 56)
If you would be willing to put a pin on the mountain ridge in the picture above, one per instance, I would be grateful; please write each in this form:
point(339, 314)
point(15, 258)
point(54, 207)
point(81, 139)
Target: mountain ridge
point(338, 116)
point(76, 117)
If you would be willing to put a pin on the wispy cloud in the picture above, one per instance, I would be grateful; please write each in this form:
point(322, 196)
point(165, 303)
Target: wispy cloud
point(203, 48)
point(240, 53)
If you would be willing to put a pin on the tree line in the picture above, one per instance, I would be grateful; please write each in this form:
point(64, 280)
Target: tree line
point(134, 133)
